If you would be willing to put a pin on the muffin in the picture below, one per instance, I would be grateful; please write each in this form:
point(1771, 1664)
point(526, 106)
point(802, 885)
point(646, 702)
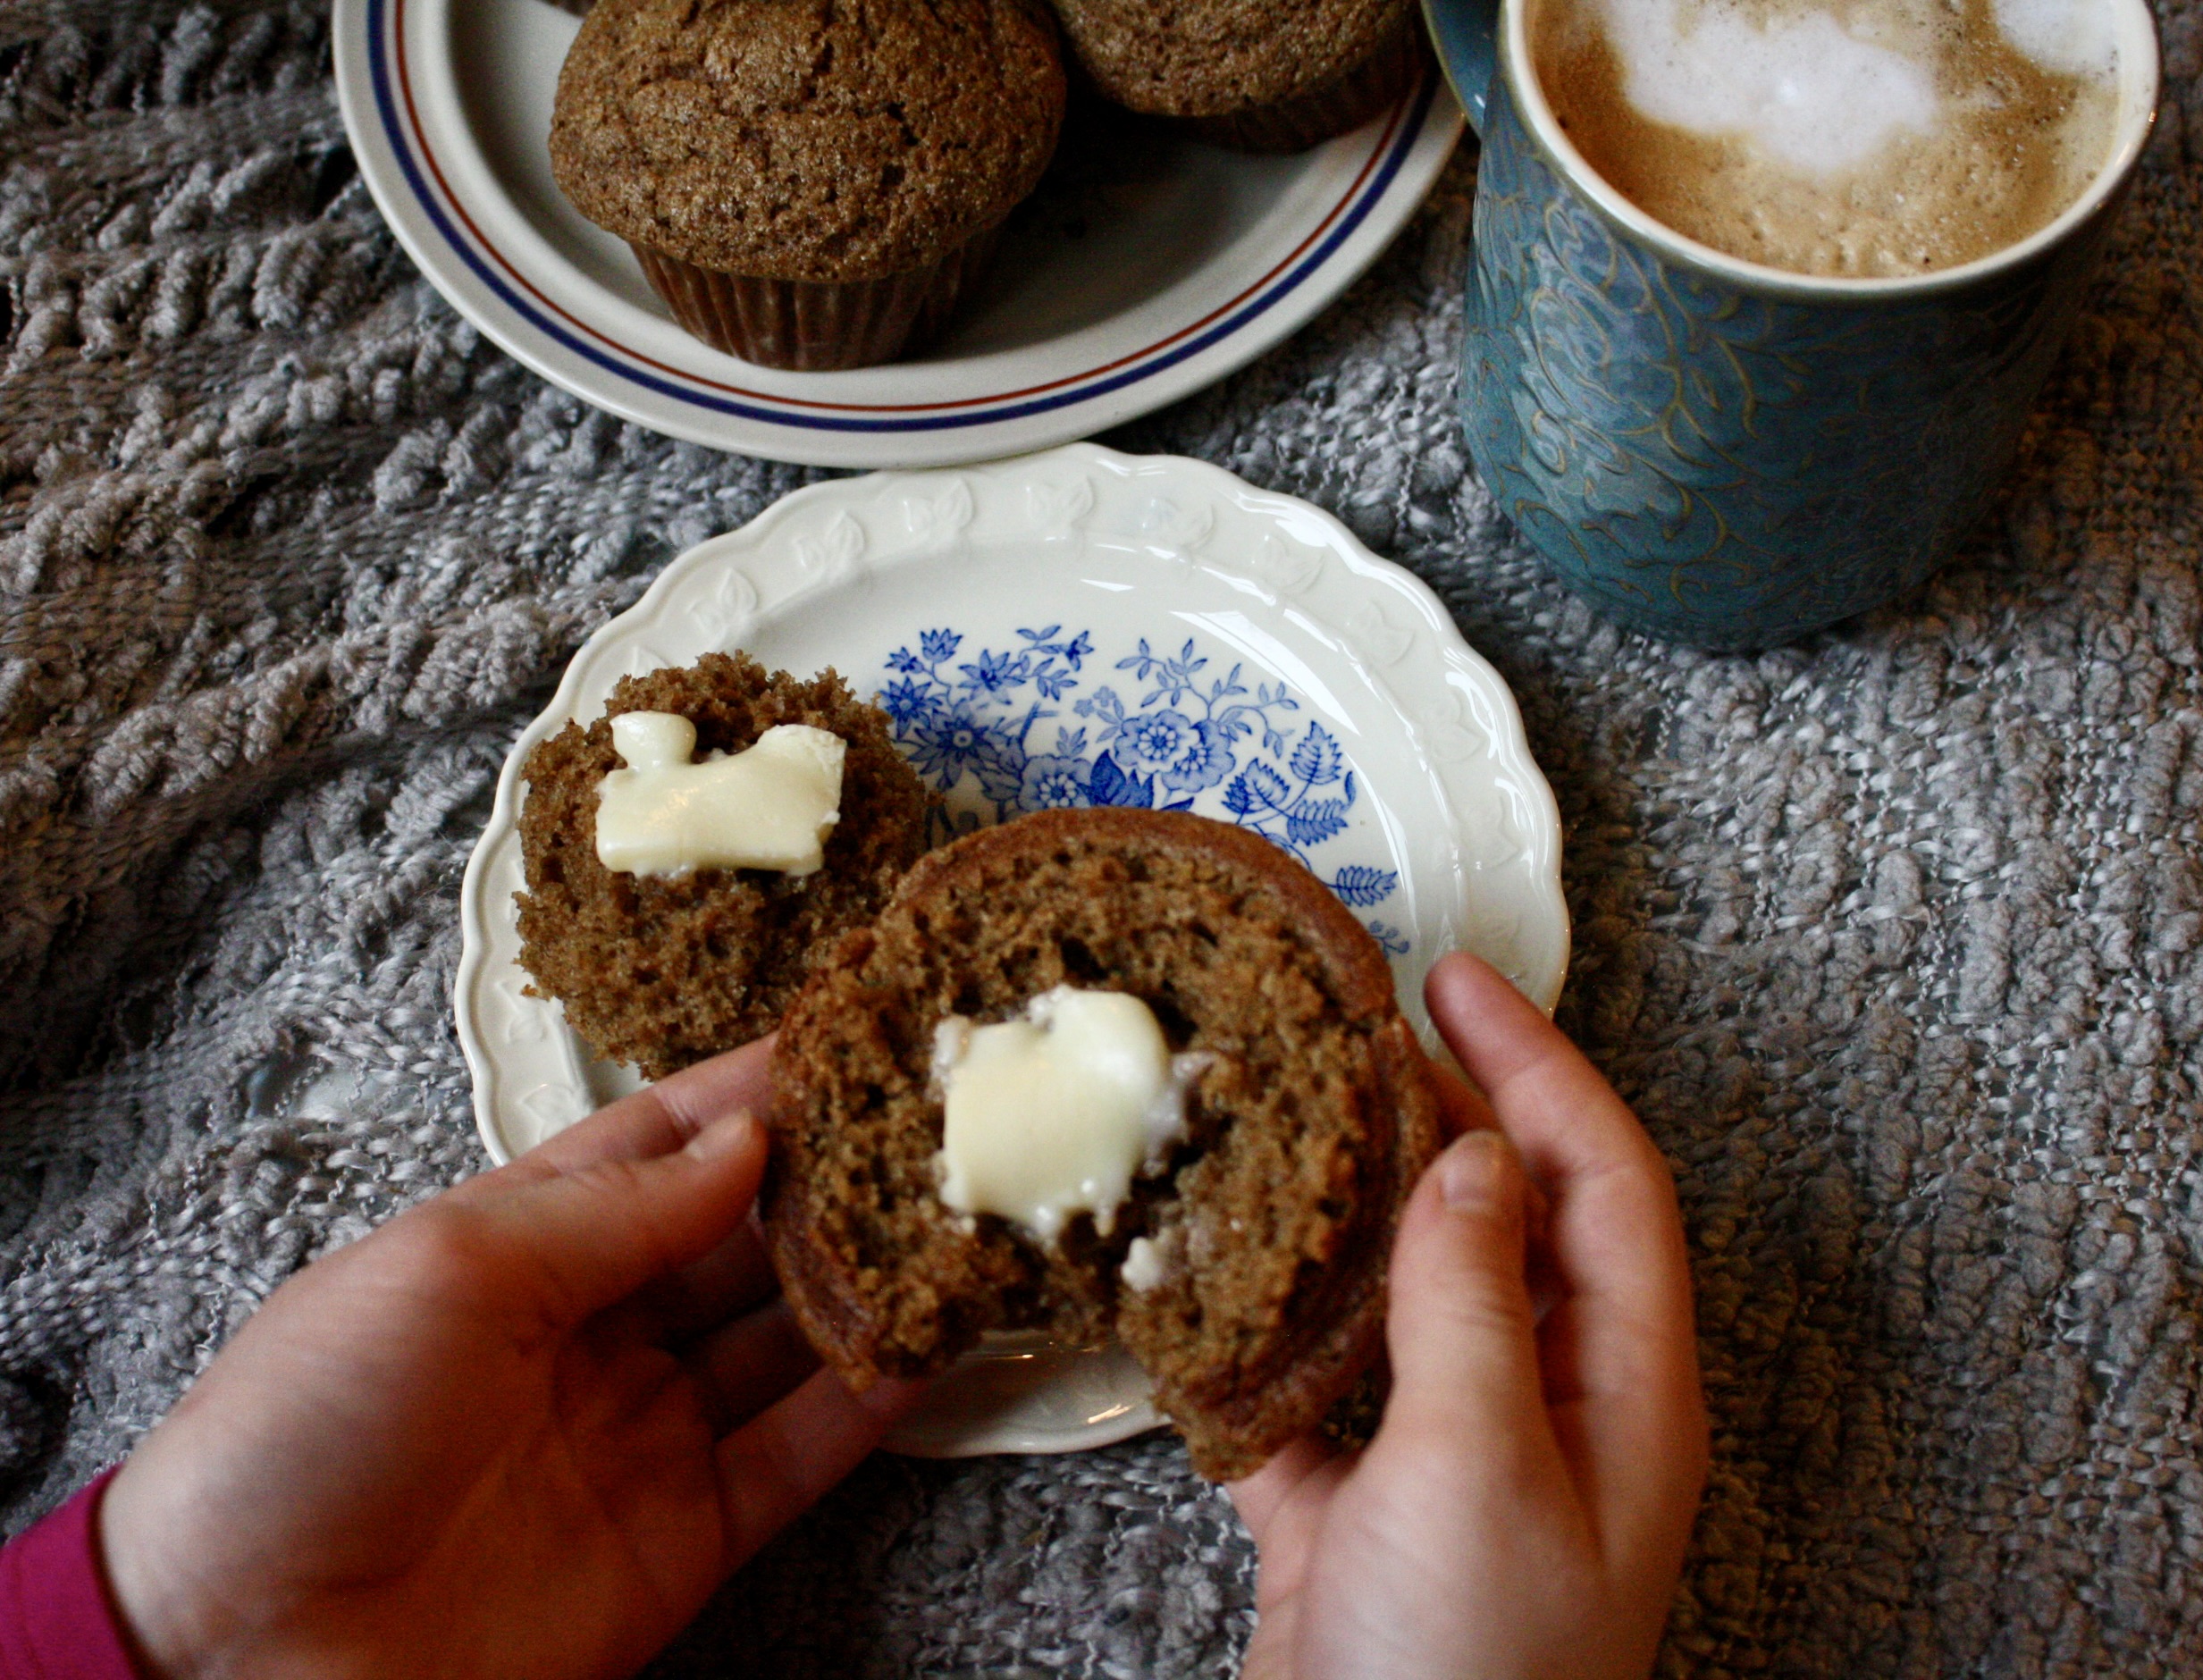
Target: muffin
point(807, 185)
point(663, 970)
point(1249, 75)
point(1244, 1268)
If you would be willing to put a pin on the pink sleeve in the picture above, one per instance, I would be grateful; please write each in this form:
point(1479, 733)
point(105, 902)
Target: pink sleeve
point(56, 1621)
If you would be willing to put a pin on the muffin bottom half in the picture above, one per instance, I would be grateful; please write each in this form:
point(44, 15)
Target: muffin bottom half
point(1329, 109)
point(816, 326)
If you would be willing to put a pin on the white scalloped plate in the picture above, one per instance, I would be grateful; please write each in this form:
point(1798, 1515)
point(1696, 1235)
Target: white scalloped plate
point(1083, 625)
point(1109, 297)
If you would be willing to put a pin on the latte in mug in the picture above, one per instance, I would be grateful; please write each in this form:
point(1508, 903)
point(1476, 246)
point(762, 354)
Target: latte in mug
point(1852, 139)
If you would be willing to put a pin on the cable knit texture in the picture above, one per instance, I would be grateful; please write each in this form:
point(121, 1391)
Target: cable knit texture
point(1892, 938)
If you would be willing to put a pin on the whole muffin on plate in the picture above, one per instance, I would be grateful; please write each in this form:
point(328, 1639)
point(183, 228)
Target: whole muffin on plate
point(663, 970)
point(807, 185)
point(1248, 74)
point(1242, 1262)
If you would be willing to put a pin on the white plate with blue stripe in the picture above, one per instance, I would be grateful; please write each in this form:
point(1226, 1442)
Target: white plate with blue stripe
point(1121, 286)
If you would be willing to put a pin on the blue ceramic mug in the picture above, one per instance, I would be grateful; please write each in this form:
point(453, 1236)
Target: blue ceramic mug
point(1718, 452)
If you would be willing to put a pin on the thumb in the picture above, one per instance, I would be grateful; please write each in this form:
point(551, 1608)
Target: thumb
point(1460, 1330)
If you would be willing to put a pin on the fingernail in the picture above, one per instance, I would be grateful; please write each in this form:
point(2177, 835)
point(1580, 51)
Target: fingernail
point(723, 1137)
point(1468, 1173)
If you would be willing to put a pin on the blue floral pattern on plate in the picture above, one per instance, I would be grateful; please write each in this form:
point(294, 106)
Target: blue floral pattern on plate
point(1177, 732)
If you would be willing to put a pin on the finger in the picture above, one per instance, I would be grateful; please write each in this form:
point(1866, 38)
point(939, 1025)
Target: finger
point(666, 1116)
point(734, 1277)
point(571, 1244)
point(750, 1364)
point(663, 1117)
point(1618, 1239)
point(1298, 1468)
point(1283, 1505)
point(1619, 1355)
point(775, 1467)
point(1564, 1117)
point(1461, 1108)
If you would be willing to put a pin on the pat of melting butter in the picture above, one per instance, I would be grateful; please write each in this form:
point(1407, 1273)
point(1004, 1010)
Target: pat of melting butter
point(768, 807)
point(1151, 1264)
point(1055, 1114)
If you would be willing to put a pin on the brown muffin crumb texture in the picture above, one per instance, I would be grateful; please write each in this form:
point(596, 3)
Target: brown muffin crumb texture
point(1306, 1133)
point(1206, 58)
point(806, 139)
point(664, 971)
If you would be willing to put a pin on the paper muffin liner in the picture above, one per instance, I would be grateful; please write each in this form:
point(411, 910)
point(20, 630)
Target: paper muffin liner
point(1347, 101)
point(815, 325)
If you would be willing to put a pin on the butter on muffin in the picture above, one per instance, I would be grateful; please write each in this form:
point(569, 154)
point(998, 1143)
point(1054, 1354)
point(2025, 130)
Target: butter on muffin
point(1246, 73)
point(661, 970)
point(807, 184)
point(1244, 1264)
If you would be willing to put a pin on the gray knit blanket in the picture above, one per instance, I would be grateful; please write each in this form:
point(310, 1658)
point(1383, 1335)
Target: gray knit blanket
point(1892, 938)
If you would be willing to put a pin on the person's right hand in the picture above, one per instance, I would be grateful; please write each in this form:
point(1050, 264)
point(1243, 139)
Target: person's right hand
point(1523, 1507)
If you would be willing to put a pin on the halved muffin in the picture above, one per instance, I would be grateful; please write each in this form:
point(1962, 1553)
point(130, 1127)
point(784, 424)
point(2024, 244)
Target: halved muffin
point(663, 970)
point(1245, 1271)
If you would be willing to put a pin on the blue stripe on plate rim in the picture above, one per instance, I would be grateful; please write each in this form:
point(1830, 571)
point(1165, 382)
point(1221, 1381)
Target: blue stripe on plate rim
point(385, 40)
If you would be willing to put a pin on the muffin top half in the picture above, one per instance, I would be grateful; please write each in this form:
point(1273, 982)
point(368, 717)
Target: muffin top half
point(825, 140)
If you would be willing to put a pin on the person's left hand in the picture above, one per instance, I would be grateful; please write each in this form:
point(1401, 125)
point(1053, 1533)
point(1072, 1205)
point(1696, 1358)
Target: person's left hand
point(519, 1430)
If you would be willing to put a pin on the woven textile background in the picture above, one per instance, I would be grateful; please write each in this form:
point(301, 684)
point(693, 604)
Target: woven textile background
point(1893, 937)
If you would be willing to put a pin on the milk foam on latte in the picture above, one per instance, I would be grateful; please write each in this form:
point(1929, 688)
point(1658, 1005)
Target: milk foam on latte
point(1851, 137)
point(2062, 35)
point(1801, 89)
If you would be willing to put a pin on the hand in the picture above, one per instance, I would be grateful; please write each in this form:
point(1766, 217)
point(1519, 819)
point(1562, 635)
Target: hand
point(1524, 1505)
point(516, 1431)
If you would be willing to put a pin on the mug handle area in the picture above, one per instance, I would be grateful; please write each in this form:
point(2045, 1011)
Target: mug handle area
point(1467, 34)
